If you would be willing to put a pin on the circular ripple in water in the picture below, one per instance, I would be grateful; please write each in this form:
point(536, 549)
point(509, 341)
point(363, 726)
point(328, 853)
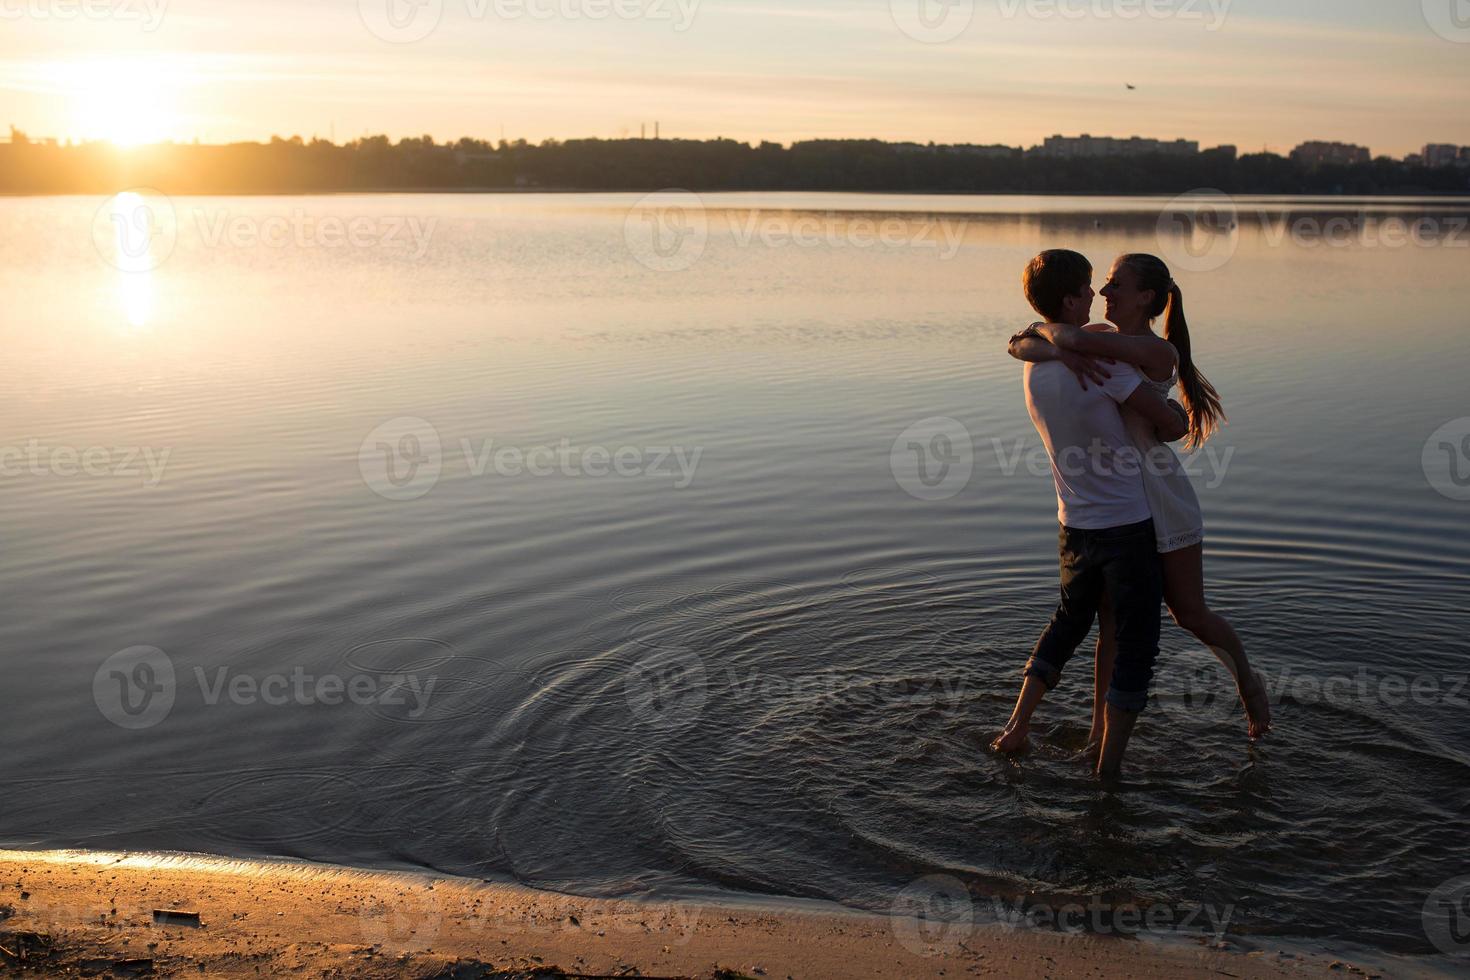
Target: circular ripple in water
point(831, 742)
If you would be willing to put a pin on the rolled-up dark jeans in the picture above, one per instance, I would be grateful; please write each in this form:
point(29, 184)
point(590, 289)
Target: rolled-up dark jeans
point(1124, 561)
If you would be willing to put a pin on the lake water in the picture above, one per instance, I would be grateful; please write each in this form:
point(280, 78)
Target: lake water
point(553, 537)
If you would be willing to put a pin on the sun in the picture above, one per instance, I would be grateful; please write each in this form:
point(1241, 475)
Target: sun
point(127, 103)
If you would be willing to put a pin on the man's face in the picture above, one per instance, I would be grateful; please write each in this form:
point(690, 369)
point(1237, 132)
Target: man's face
point(1077, 310)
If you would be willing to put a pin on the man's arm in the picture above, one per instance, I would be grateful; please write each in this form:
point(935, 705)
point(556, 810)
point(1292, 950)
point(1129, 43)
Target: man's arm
point(1028, 345)
point(1167, 418)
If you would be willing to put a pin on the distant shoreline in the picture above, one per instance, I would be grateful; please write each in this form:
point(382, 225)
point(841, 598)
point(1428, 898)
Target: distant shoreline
point(377, 165)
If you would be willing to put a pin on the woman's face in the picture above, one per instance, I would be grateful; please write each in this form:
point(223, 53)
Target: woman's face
point(1123, 296)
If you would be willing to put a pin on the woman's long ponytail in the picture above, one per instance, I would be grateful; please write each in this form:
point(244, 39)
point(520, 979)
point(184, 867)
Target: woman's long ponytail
point(1196, 394)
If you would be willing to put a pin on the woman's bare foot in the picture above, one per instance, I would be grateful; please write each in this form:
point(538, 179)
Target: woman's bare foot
point(1013, 739)
point(1257, 703)
point(1094, 742)
point(1090, 752)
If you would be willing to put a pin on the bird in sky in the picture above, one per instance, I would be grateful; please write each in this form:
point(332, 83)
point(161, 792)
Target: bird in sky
point(1131, 86)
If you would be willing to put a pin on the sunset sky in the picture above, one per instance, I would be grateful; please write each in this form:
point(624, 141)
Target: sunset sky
point(1271, 73)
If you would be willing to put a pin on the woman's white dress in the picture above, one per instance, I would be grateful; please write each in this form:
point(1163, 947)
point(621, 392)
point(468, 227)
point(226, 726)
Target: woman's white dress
point(1178, 520)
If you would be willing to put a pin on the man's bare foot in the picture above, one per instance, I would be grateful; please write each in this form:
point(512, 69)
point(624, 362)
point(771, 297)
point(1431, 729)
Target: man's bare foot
point(1014, 739)
point(1257, 701)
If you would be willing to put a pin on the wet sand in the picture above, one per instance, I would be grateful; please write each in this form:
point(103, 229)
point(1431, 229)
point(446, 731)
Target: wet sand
point(94, 913)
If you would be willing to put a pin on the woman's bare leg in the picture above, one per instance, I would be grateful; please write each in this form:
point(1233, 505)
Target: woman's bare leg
point(1184, 591)
point(1102, 676)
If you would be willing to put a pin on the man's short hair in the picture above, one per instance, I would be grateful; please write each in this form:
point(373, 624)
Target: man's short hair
point(1053, 276)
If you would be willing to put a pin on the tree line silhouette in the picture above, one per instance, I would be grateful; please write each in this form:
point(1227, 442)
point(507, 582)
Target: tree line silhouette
point(375, 163)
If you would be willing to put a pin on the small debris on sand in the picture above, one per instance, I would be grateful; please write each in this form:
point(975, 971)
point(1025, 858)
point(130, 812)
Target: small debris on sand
point(175, 917)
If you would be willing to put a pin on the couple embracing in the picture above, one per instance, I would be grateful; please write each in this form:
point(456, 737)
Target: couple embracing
point(1132, 534)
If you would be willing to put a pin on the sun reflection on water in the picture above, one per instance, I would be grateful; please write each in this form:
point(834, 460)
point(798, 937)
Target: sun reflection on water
point(135, 293)
point(142, 235)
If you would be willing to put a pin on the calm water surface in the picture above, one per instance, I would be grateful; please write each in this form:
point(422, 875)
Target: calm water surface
point(748, 657)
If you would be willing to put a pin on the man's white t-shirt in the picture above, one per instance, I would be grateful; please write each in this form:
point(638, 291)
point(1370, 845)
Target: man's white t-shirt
point(1097, 471)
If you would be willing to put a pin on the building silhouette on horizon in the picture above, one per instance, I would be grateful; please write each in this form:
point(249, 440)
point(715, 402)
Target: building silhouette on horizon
point(1088, 146)
point(1445, 155)
point(1318, 153)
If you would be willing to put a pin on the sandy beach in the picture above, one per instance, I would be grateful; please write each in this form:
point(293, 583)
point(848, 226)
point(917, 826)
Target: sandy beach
point(95, 913)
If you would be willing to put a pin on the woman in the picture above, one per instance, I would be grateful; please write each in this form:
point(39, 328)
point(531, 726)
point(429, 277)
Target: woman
point(1139, 290)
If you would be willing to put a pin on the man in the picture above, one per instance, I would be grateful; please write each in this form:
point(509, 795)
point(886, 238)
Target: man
point(1107, 539)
